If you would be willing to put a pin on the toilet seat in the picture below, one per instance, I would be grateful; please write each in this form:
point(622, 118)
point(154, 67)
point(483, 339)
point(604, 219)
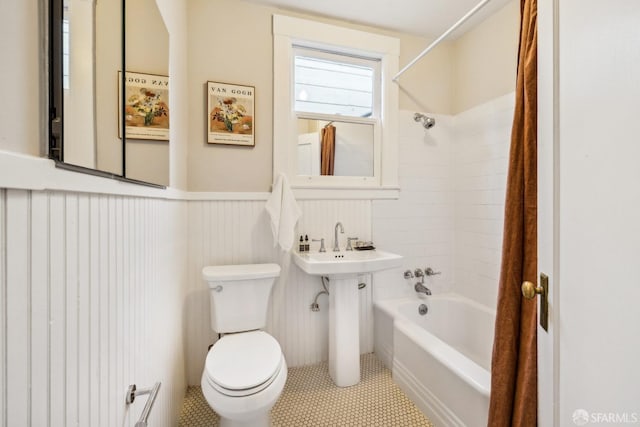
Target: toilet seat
point(243, 364)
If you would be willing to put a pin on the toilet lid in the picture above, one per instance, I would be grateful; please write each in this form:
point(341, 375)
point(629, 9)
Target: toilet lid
point(243, 361)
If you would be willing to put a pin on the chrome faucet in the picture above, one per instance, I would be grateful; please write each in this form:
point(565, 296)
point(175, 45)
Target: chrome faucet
point(349, 240)
point(322, 249)
point(420, 288)
point(336, 248)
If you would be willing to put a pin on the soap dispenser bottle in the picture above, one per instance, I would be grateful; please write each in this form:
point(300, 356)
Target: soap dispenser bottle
point(301, 246)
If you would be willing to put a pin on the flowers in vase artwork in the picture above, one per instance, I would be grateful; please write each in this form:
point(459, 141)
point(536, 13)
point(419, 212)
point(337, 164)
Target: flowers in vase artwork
point(231, 114)
point(146, 106)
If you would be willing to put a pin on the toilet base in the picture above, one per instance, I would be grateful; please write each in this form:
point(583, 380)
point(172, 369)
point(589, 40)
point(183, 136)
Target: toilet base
point(261, 421)
point(247, 411)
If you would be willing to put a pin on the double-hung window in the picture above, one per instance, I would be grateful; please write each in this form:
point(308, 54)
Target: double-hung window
point(335, 106)
point(342, 92)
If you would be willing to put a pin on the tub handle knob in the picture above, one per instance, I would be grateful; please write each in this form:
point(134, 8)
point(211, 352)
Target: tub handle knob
point(408, 274)
point(430, 272)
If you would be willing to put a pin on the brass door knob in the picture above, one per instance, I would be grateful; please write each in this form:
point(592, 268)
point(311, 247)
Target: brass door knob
point(529, 290)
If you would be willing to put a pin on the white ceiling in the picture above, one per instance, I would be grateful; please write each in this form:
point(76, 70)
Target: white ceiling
point(427, 18)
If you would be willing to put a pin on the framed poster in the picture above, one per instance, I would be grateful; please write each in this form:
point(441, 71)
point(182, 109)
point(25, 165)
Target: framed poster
point(230, 114)
point(146, 109)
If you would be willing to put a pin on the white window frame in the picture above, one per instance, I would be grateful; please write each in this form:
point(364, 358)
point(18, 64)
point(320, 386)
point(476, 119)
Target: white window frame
point(289, 32)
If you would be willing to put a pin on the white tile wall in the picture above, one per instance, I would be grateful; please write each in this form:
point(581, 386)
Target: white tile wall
point(480, 159)
point(420, 224)
point(450, 212)
point(90, 291)
point(238, 232)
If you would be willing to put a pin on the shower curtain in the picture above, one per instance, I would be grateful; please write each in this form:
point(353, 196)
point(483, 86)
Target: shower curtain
point(328, 150)
point(514, 391)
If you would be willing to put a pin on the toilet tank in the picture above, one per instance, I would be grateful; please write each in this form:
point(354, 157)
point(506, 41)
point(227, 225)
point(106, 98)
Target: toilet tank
point(239, 295)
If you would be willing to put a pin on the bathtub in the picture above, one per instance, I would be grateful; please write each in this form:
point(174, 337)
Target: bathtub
point(440, 360)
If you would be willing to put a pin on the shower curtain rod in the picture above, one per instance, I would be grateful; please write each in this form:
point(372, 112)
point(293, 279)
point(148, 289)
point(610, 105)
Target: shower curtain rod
point(442, 37)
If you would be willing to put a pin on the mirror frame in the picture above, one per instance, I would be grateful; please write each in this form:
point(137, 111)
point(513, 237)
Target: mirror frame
point(55, 118)
point(56, 97)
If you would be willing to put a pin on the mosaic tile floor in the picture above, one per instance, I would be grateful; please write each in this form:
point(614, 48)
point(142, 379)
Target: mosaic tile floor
point(310, 399)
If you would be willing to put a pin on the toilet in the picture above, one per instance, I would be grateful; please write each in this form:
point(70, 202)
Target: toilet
point(245, 370)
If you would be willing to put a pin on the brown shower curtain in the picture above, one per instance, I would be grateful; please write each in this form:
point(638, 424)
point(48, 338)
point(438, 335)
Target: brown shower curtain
point(328, 150)
point(514, 373)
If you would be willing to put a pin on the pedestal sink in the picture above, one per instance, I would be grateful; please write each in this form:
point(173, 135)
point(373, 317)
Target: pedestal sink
point(343, 269)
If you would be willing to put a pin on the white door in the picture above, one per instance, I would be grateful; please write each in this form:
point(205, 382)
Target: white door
point(547, 178)
point(589, 211)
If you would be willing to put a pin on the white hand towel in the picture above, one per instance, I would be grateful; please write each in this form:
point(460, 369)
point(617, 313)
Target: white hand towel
point(284, 212)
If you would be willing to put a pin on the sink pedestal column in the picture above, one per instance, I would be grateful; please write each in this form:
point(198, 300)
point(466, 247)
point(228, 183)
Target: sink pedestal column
point(344, 330)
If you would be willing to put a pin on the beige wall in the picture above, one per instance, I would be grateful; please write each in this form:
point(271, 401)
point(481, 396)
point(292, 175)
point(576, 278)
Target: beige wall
point(426, 86)
point(20, 78)
point(147, 52)
point(108, 62)
point(485, 59)
point(231, 41)
point(174, 13)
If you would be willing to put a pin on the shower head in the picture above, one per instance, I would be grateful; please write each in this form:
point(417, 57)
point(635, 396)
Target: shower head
point(427, 122)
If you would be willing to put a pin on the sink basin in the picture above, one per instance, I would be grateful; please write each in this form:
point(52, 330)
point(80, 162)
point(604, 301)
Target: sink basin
point(345, 262)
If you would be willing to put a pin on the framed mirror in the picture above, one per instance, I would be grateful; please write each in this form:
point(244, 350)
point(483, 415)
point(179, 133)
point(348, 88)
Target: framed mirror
point(335, 148)
point(90, 43)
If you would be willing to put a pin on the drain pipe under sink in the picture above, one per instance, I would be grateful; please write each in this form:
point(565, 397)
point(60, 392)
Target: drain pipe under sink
point(314, 304)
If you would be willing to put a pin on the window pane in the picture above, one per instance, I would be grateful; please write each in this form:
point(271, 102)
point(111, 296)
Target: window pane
point(333, 87)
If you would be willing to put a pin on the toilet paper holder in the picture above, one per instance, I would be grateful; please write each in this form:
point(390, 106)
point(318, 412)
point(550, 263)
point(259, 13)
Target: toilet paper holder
point(133, 392)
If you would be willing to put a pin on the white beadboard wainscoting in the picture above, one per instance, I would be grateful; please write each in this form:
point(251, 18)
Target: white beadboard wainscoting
point(238, 232)
point(91, 291)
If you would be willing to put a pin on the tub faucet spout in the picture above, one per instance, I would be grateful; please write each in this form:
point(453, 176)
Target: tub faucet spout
point(420, 288)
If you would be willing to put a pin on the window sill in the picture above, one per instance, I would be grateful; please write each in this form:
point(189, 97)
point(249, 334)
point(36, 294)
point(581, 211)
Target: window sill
point(345, 193)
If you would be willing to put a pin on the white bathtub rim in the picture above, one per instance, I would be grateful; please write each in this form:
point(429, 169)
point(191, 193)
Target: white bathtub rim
point(390, 306)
